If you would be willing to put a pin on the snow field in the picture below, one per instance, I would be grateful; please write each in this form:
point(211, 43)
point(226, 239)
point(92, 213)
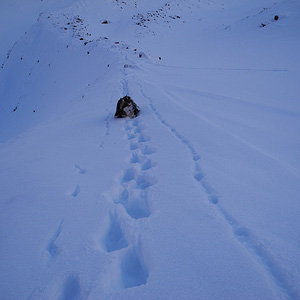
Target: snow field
point(197, 198)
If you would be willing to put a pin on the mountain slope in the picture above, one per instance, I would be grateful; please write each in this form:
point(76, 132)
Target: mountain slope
point(197, 198)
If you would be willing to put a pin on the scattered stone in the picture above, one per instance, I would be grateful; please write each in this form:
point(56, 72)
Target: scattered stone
point(143, 55)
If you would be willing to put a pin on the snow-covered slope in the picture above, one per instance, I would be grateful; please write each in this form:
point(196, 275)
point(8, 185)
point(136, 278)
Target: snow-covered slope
point(197, 198)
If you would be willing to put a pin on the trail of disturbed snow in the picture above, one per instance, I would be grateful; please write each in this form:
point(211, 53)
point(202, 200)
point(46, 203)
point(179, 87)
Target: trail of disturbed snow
point(244, 235)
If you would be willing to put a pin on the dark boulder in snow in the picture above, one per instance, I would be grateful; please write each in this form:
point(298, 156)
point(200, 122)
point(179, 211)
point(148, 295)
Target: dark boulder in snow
point(126, 107)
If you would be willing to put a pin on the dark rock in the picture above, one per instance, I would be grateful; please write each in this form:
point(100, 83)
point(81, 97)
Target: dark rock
point(276, 18)
point(126, 107)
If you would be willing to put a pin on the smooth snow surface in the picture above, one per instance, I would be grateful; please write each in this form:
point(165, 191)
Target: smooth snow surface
point(197, 197)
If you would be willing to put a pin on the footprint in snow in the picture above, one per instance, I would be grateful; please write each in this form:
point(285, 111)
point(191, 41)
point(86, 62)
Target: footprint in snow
point(134, 271)
point(130, 136)
point(135, 203)
point(80, 170)
point(144, 181)
point(147, 150)
point(147, 165)
point(213, 199)
point(137, 158)
point(114, 239)
point(241, 233)
point(138, 208)
point(143, 138)
point(76, 191)
point(71, 288)
point(133, 146)
point(52, 247)
point(128, 175)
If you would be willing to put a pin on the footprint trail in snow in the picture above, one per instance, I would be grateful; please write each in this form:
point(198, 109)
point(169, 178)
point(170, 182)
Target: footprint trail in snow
point(123, 236)
point(243, 235)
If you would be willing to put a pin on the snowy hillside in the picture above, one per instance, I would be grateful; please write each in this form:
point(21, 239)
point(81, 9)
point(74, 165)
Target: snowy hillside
point(197, 197)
